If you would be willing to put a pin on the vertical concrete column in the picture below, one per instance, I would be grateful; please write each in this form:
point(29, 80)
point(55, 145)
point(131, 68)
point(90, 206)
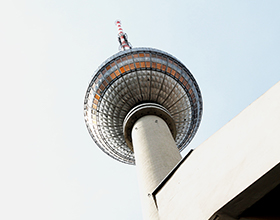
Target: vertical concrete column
point(155, 155)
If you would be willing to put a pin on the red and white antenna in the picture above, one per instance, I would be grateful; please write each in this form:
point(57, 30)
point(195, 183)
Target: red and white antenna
point(124, 44)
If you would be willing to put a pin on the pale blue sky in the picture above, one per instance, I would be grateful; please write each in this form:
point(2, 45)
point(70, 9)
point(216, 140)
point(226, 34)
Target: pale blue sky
point(49, 166)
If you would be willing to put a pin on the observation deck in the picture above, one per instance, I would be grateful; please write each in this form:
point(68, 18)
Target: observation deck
point(133, 77)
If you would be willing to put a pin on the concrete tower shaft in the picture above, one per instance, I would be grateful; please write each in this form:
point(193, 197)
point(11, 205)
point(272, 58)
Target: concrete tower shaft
point(155, 154)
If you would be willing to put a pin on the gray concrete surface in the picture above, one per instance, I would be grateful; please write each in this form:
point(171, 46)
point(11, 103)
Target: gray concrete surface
point(226, 164)
point(155, 155)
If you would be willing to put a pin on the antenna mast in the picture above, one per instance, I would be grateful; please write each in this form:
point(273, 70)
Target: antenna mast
point(123, 39)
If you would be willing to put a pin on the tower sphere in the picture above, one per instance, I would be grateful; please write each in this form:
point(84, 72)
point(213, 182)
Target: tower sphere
point(138, 76)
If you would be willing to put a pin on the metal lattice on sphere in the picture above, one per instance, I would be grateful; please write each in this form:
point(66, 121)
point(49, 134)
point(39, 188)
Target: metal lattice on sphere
point(135, 76)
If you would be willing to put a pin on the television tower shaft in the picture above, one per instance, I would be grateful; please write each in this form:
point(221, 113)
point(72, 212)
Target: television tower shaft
point(124, 44)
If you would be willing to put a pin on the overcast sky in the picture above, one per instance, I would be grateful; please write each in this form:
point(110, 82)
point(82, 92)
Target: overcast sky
point(49, 166)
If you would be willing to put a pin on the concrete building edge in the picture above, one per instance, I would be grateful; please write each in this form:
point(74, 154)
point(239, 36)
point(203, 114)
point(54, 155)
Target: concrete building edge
point(168, 177)
point(220, 212)
point(233, 209)
point(272, 87)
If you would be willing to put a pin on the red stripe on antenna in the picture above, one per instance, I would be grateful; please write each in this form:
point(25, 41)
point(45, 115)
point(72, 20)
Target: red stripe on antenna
point(124, 44)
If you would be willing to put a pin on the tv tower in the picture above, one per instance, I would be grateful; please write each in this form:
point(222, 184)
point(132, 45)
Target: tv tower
point(143, 106)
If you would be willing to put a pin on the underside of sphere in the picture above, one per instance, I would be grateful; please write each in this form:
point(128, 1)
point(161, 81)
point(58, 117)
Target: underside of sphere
point(133, 77)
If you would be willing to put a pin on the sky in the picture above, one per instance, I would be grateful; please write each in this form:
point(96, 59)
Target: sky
point(50, 167)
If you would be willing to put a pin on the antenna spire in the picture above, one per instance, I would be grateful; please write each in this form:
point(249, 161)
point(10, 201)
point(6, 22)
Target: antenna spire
point(123, 39)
